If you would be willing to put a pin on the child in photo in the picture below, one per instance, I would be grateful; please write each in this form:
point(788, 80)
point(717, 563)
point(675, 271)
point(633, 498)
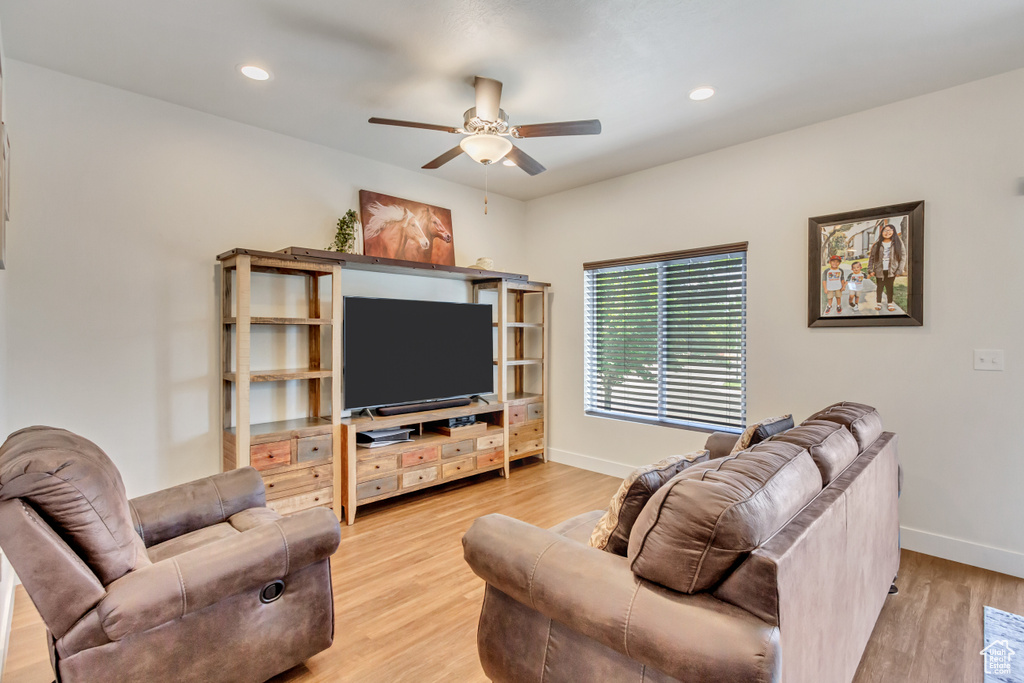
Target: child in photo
point(856, 285)
point(833, 281)
point(886, 261)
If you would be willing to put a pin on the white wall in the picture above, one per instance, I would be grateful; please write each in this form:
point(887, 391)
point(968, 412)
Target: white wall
point(122, 203)
point(960, 150)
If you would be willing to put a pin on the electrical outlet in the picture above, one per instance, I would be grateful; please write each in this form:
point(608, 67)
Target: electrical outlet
point(988, 359)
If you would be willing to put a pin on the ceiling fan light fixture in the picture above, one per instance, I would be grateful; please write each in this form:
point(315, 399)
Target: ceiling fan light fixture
point(509, 162)
point(485, 148)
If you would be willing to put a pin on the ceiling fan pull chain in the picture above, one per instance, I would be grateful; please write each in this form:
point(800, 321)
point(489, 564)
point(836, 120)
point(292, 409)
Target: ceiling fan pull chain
point(485, 190)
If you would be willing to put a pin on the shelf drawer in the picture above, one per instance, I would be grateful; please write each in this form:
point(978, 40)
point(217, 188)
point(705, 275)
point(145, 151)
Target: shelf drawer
point(303, 501)
point(265, 456)
point(485, 442)
point(419, 456)
point(535, 411)
point(525, 447)
point(495, 457)
point(516, 414)
point(377, 487)
point(297, 481)
point(419, 477)
point(374, 469)
point(313, 448)
point(452, 469)
point(450, 450)
point(526, 432)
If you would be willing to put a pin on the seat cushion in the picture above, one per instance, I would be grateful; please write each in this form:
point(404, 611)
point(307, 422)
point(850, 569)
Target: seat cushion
point(252, 518)
point(190, 541)
point(760, 431)
point(703, 522)
point(580, 527)
point(862, 420)
point(78, 491)
point(612, 531)
point(237, 523)
point(831, 445)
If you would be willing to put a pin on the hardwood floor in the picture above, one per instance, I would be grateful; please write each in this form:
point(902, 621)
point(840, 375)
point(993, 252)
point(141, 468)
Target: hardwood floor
point(407, 604)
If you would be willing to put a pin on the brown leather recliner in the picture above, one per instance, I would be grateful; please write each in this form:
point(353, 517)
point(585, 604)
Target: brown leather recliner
point(200, 582)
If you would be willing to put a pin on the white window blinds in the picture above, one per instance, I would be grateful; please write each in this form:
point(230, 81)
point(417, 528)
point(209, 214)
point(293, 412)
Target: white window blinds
point(665, 338)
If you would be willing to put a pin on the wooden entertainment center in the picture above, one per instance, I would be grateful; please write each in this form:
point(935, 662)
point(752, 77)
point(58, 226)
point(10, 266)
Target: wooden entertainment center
point(314, 461)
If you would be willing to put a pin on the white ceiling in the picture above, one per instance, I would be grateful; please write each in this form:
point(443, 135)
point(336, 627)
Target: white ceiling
point(777, 65)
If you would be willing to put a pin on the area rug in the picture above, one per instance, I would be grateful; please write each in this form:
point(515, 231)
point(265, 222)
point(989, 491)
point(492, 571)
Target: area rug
point(1004, 647)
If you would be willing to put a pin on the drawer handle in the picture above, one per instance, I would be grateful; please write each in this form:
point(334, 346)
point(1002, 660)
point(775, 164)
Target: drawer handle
point(315, 476)
point(270, 486)
point(376, 467)
point(316, 448)
point(378, 488)
point(317, 499)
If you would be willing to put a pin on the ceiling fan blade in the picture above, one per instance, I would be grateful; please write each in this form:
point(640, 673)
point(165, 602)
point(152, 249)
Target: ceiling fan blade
point(525, 161)
point(540, 130)
point(488, 98)
point(444, 158)
point(412, 124)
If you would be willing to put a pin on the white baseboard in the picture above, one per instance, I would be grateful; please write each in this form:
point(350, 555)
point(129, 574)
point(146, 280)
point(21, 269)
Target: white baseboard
point(965, 552)
point(586, 462)
point(955, 549)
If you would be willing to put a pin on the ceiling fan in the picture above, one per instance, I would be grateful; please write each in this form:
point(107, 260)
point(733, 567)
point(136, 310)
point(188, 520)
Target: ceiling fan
point(487, 131)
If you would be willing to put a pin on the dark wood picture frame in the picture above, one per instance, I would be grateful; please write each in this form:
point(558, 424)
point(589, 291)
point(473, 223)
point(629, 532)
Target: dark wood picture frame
point(822, 246)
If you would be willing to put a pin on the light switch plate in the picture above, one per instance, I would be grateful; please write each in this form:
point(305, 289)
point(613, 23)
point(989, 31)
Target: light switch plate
point(988, 359)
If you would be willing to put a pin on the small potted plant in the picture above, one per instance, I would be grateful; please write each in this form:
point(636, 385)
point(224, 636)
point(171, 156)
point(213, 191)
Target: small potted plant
point(345, 237)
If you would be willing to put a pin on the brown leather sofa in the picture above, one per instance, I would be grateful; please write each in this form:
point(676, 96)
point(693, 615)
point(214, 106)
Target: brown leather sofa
point(200, 582)
point(770, 564)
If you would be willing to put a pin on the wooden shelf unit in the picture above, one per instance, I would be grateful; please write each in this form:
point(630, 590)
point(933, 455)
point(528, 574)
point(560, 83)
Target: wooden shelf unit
point(431, 458)
point(299, 460)
point(524, 413)
point(292, 455)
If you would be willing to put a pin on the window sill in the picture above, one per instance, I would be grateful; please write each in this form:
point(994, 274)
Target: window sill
point(689, 426)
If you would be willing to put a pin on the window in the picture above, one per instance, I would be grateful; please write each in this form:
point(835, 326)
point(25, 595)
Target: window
point(665, 338)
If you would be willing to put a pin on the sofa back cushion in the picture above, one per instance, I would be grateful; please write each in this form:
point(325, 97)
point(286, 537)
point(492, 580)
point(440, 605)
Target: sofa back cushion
point(703, 522)
point(612, 531)
point(863, 421)
point(78, 491)
point(831, 445)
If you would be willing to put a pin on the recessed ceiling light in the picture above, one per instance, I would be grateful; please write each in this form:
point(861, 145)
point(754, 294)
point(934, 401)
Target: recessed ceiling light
point(509, 162)
point(702, 93)
point(254, 72)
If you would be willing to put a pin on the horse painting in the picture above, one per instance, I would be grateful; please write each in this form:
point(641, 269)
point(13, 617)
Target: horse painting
point(407, 230)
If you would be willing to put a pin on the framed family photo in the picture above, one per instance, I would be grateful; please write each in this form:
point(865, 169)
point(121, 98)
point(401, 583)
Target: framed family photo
point(866, 268)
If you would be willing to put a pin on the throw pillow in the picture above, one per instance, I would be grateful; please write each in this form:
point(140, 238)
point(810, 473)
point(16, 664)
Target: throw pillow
point(760, 431)
point(612, 530)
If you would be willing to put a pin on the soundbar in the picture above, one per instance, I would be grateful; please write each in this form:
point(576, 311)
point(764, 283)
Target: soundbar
point(420, 407)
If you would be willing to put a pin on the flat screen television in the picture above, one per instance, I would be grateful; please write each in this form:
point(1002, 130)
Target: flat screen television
point(403, 351)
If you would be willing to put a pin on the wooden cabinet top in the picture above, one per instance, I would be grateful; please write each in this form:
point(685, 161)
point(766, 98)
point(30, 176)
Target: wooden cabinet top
point(374, 263)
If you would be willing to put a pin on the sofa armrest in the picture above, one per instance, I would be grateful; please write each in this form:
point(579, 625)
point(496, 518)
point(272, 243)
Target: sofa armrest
point(167, 514)
point(720, 444)
point(688, 637)
point(187, 583)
